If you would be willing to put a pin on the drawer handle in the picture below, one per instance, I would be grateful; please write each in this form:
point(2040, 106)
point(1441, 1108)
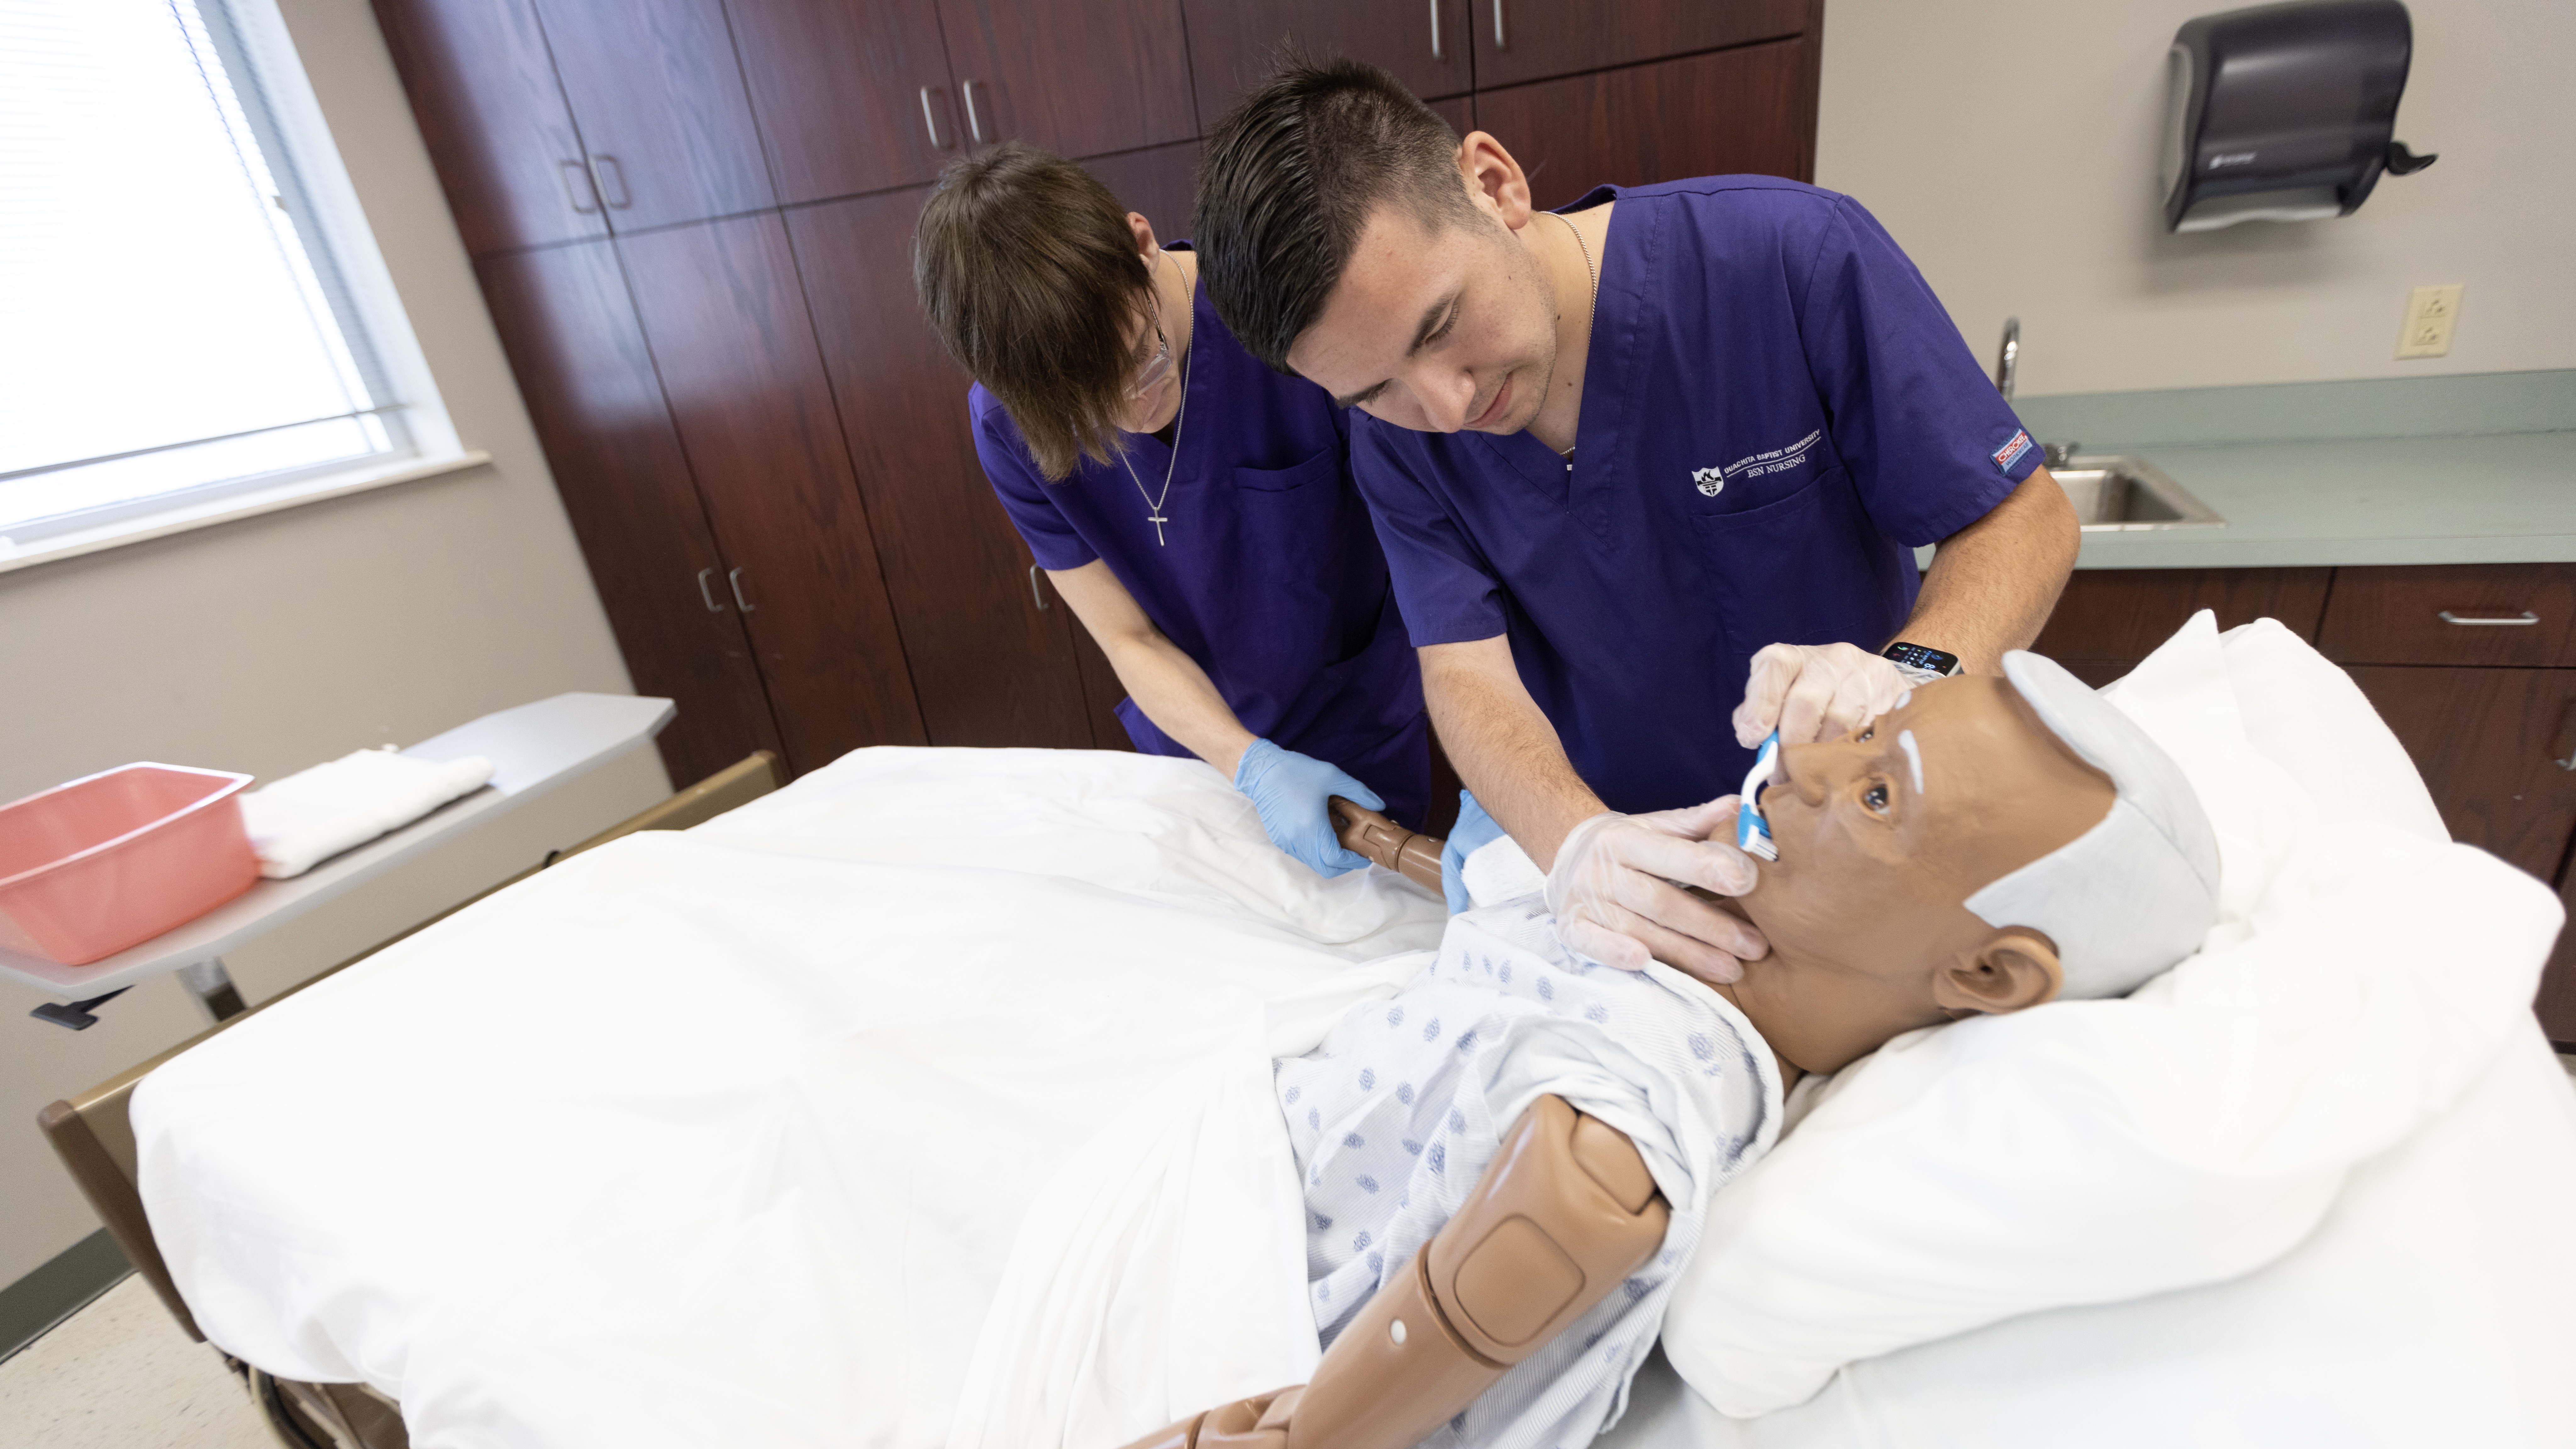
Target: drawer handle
point(1040, 595)
point(704, 593)
point(2528, 617)
point(734, 579)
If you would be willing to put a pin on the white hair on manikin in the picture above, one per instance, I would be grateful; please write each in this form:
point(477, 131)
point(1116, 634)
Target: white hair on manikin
point(2136, 893)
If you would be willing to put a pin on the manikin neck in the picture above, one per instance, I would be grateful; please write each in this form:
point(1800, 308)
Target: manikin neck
point(1803, 1038)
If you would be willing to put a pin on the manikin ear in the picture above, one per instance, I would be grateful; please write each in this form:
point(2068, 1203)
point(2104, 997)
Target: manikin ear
point(1494, 179)
point(2015, 968)
point(1143, 231)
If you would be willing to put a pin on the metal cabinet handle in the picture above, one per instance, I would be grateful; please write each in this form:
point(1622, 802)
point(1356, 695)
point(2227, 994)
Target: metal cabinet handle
point(1435, 32)
point(1499, 42)
point(734, 578)
point(974, 122)
point(601, 169)
point(2528, 617)
point(576, 180)
point(1040, 594)
point(930, 119)
point(708, 594)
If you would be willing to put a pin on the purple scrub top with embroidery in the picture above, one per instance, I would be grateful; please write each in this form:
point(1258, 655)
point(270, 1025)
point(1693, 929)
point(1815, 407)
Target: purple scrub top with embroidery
point(1268, 574)
point(1776, 412)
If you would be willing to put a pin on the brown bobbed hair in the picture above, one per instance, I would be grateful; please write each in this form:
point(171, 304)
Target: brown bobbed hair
point(1027, 271)
point(1289, 178)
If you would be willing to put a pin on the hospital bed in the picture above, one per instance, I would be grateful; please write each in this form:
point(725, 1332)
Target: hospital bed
point(725, 1135)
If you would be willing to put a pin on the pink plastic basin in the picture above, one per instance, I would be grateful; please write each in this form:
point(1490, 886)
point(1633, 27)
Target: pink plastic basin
point(90, 868)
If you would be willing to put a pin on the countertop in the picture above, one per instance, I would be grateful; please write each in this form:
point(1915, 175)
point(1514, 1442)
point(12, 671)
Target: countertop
point(2474, 468)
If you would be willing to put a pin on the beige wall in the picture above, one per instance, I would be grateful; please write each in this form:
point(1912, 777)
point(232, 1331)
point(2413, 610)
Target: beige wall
point(2011, 146)
point(276, 642)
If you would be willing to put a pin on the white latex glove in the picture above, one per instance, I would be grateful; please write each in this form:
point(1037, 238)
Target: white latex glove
point(1616, 889)
point(1811, 692)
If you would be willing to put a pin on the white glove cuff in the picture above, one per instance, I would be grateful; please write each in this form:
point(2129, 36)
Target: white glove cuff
point(1560, 876)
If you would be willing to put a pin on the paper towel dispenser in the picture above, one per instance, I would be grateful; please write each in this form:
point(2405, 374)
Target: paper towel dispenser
point(2284, 112)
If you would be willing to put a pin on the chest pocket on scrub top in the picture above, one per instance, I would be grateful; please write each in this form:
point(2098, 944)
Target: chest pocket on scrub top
point(1809, 568)
point(1293, 561)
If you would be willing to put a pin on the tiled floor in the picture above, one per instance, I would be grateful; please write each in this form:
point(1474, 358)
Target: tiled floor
point(120, 1375)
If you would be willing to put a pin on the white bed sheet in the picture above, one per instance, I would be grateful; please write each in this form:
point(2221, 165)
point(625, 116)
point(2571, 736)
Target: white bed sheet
point(721, 1137)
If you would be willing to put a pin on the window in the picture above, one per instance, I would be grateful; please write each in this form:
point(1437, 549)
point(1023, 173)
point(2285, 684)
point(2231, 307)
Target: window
point(191, 310)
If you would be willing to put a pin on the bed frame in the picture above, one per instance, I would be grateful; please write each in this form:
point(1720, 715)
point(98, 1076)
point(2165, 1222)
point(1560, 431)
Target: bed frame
point(95, 1139)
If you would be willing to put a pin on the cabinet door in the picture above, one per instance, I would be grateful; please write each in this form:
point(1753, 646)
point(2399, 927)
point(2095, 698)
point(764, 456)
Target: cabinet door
point(2119, 616)
point(657, 95)
point(852, 95)
point(2557, 1002)
point(1078, 77)
point(991, 649)
point(1423, 43)
point(1752, 109)
point(1157, 183)
point(2488, 742)
point(1525, 40)
point(573, 341)
point(729, 332)
point(483, 86)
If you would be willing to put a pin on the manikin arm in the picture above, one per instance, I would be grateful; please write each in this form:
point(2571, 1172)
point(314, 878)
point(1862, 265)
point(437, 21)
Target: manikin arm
point(1565, 1211)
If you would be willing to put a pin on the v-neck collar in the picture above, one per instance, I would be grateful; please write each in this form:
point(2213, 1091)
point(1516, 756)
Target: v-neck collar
point(1582, 491)
point(1142, 448)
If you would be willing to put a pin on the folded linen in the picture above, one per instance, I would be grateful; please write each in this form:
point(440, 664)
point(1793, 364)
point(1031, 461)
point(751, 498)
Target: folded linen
point(312, 815)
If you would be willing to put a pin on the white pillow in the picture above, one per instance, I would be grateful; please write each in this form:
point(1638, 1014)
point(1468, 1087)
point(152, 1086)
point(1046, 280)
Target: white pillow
point(2362, 971)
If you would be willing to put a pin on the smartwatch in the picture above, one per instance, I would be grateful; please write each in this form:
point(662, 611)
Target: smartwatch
point(1921, 663)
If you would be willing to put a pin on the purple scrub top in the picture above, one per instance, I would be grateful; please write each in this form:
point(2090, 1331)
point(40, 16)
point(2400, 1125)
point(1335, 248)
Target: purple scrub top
point(1270, 576)
point(1776, 411)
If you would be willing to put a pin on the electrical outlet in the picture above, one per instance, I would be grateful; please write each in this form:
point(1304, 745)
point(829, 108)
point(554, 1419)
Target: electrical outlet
point(2430, 312)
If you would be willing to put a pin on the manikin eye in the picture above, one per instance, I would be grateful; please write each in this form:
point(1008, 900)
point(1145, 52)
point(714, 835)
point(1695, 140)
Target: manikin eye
point(1875, 798)
point(1868, 733)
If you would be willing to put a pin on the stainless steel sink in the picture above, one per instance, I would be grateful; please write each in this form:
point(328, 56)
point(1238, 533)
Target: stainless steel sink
point(2121, 493)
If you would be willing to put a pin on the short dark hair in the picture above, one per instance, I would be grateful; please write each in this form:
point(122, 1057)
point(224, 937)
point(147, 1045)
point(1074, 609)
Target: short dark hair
point(1028, 272)
point(1289, 177)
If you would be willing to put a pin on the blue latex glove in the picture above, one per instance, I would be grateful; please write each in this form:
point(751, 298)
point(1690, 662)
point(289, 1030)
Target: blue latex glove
point(1475, 830)
point(1289, 790)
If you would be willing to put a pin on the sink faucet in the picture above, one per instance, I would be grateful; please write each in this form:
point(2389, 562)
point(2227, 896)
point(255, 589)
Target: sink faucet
point(2010, 362)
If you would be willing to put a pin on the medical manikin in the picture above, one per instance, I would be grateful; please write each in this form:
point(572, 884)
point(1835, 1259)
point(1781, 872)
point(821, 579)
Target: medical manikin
point(1988, 845)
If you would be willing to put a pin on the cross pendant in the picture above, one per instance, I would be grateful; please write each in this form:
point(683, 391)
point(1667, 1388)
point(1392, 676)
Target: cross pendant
point(1157, 519)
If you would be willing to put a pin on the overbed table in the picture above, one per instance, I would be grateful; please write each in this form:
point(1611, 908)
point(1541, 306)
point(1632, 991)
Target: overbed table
point(533, 748)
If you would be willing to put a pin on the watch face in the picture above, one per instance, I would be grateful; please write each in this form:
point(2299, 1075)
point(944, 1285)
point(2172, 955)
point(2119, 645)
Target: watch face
point(1915, 656)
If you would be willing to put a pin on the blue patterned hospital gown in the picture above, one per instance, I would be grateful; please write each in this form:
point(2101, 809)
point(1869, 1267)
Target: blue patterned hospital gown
point(1396, 1114)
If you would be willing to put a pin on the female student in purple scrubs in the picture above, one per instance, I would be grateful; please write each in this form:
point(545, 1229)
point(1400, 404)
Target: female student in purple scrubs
point(1195, 507)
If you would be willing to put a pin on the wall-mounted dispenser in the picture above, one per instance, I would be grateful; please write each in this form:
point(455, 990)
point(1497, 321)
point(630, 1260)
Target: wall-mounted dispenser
point(2284, 112)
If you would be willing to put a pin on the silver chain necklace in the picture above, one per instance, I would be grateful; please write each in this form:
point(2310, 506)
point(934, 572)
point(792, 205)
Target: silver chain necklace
point(1154, 505)
point(1591, 315)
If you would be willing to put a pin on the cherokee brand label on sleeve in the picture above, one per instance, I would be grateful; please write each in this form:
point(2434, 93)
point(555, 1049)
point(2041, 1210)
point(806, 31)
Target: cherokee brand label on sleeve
point(2011, 452)
point(1774, 460)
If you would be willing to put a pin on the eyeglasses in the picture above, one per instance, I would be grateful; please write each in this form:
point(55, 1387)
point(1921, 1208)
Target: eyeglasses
point(1156, 367)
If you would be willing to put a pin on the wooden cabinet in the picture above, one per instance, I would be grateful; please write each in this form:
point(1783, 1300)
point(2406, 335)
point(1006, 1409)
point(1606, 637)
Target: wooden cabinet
point(1077, 77)
point(572, 337)
point(2488, 742)
point(2116, 617)
point(483, 85)
point(1423, 43)
point(852, 95)
point(1526, 40)
point(657, 96)
point(1747, 110)
point(727, 323)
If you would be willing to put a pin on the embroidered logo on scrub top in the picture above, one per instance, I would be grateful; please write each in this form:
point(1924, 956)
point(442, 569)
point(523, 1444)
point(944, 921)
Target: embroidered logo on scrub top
point(1712, 481)
point(2012, 451)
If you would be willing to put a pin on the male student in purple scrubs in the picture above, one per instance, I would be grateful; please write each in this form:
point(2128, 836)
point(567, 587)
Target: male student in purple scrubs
point(1649, 472)
point(1195, 508)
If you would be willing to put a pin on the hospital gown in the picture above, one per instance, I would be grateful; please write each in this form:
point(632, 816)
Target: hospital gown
point(1396, 1114)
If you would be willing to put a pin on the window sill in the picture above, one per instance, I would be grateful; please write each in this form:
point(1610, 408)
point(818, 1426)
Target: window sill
point(238, 505)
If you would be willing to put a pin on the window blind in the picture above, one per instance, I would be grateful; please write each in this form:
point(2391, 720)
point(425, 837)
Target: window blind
point(171, 319)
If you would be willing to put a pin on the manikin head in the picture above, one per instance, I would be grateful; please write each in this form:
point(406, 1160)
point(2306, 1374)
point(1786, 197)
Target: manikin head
point(1988, 845)
point(1352, 239)
point(1056, 298)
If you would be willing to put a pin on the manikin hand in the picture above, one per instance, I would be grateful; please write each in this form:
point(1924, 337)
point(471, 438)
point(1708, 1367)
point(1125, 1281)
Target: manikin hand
point(1811, 692)
point(1290, 790)
point(1617, 892)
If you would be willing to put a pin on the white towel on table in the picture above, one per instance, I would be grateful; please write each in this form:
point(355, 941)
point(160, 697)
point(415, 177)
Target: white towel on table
point(308, 817)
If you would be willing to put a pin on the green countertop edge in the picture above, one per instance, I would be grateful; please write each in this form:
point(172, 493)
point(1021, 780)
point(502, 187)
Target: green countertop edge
point(2465, 468)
